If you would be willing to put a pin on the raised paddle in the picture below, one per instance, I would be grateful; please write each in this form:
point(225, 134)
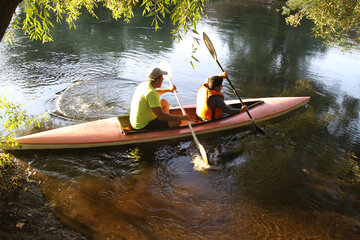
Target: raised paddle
point(212, 51)
point(164, 65)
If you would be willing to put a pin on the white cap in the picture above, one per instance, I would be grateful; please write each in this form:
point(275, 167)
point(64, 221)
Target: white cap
point(155, 73)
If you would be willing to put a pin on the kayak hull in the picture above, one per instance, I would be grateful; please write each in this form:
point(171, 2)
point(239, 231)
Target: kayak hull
point(110, 131)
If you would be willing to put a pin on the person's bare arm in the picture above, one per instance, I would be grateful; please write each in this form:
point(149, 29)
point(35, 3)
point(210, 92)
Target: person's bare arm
point(161, 91)
point(166, 116)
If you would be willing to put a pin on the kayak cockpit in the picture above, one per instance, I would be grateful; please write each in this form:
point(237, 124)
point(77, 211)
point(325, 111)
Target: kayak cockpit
point(126, 128)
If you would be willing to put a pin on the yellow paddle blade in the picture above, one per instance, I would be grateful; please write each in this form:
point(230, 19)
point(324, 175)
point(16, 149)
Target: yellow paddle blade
point(204, 163)
point(201, 162)
point(203, 153)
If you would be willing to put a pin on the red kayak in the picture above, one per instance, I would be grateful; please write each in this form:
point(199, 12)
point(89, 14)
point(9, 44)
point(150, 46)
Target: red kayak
point(115, 131)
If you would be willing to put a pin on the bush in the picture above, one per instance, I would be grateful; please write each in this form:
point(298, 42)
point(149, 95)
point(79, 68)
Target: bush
point(12, 118)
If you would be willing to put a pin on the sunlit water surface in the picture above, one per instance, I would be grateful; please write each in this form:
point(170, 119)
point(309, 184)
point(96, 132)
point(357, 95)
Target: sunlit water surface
point(300, 181)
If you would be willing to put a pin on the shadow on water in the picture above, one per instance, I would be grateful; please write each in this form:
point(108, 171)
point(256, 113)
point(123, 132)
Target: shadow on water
point(71, 163)
point(313, 164)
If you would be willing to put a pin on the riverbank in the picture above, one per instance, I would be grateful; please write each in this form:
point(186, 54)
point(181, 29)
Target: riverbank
point(24, 213)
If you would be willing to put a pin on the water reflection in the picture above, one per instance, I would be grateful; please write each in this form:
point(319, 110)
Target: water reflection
point(263, 54)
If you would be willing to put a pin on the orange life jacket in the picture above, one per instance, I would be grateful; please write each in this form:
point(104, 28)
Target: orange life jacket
point(202, 108)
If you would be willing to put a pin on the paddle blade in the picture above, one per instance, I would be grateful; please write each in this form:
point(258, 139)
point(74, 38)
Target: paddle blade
point(203, 153)
point(209, 46)
point(164, 65)
point(259, 130)
point(201, 162)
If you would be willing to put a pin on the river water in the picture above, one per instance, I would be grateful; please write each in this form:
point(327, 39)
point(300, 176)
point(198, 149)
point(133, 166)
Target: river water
point(301, 181)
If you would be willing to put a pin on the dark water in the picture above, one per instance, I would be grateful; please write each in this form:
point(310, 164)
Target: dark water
point(299, 182)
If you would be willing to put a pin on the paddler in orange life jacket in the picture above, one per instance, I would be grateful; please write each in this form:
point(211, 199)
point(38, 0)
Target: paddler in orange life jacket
point(210, 103)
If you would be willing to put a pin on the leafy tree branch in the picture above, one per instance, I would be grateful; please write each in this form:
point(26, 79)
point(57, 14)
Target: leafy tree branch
point(38, 22)
point(13, 118)
point(337, 22)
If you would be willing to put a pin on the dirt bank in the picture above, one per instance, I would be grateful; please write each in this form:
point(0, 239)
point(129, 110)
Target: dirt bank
point(24, 214)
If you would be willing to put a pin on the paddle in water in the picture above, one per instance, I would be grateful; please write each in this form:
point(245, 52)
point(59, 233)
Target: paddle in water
point(204, 164)
point(212, 51)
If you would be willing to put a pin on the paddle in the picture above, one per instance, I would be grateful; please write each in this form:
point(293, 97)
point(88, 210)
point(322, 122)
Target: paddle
point(212, 51)
point(164, 65)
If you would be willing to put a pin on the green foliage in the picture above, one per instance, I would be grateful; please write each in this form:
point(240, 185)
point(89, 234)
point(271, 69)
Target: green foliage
point(13, 118)
point(5, 160)
point(335, 21)
point(38, 22)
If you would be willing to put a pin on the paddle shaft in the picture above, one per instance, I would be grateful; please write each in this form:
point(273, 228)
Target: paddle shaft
point(202, 150)
point(184, 113)
point(212, 51)
point(234, 90)
point(198, 144)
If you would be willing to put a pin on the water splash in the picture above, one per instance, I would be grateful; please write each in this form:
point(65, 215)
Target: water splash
point(91, 99)
point(200, 164)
